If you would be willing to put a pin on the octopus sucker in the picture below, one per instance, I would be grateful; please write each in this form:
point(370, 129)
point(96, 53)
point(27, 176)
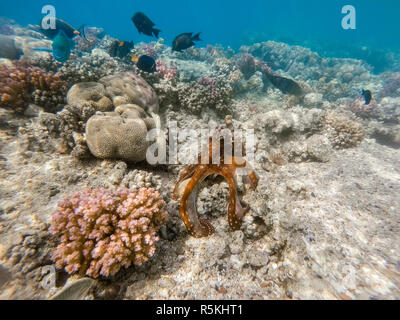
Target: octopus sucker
point(190, 178)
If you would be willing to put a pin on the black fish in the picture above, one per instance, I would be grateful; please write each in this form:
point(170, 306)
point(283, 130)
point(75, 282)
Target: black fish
point(69, 30)
point(120, 49)
point(147, 64)
point(285, 85)
point(184, 41)
point(145, 25)
point(367, 94)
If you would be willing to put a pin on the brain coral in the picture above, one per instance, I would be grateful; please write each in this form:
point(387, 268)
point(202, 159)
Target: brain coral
point(102, 231)
point(92, 92)
point(127, 87)
point(120, 134)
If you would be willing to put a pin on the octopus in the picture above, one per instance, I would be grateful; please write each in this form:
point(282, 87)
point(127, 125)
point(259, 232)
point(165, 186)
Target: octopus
point(190, 178)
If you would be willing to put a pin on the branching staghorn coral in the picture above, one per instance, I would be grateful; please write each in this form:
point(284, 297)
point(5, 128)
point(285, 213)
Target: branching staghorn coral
point(102, 231)
point(22, 84)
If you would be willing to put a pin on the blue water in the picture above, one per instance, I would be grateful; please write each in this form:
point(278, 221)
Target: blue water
point(232, 22)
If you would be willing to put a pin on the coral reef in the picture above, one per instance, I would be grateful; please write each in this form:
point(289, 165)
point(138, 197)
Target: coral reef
point(334, 78)
point(21, 84)
point(247, 65)
point(362, 110)
point(85, 67)
point(206, 93)
point(167, 73)
point(102, 231)
point(321, 195)
point(391, 85)
point(386, 134)
point(68, 124)
point(152, 49)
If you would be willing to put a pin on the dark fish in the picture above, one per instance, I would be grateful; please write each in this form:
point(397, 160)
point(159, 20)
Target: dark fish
point(147, 64)
point(120, 49)
point(145, 25)
point(62, 47)
point(367, 94)
point(69, 30)
point(285, 85)
point(184, 41)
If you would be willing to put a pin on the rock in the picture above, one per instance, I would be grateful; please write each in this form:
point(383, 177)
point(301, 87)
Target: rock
point(319, 148)
point(127, 87)
point(75, 290)
point(257, 258)
point(278, 121)
point(8, 48)
point(90, 92)
point(208, 251)
point(386, 134)
point(33, 110)
point(237, 261)
point(236, 244)
point(295, 186)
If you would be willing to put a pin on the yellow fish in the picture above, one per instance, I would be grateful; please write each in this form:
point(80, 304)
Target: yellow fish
point(134, 58)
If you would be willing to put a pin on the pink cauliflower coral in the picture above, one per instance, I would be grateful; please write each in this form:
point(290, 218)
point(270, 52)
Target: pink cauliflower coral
point(167, 73)
point(103, 230)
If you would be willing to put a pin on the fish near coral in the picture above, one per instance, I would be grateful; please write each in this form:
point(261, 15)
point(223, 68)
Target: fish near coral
point(189, 180)
point(185, 41)
point(61, 47)
point(147, 64)
point(120, 49)
point(285, 85)
point(367, 94)
point(61, 25)
point(144, 24)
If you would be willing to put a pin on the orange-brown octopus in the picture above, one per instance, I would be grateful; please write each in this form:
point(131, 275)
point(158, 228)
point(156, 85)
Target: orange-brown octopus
point(190, 178)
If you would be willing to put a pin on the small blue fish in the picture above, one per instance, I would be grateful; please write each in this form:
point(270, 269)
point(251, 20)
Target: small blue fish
point(62, 47)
